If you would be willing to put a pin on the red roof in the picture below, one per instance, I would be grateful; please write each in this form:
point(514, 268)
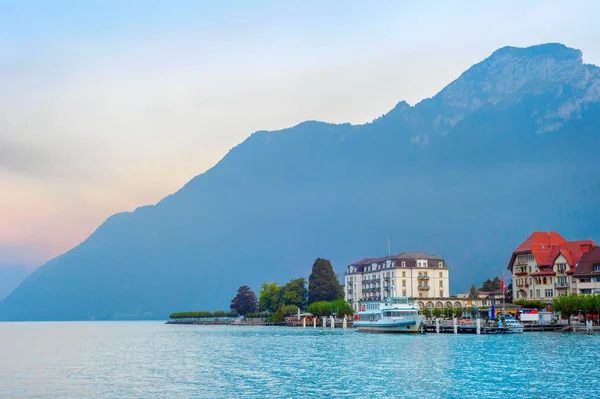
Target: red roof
point(572, 251)
point(546, 246)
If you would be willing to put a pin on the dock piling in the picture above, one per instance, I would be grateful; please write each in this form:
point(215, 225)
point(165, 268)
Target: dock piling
point(314, 322)
point(455, 321)
point(345, 323)
point(437, 325)
point(332, 322)
point(324, 321)
point(304, 322)
point(478, 323)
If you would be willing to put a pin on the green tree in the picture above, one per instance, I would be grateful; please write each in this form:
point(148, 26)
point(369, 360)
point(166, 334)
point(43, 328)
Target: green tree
point(284, 311)
point(245, 301)
point(491, 285)
point(323, 283)
point(448, 312)
point(473, 292)
point(531, 303)
point(269, 297)
point(458, 312)
point(567, 305)
point(319, 308)
point(295, 293)
point(327, 308)
point(437, 312)
point(426, 312)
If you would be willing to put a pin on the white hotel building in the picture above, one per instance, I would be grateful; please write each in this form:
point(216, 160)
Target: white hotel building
point(416, 275)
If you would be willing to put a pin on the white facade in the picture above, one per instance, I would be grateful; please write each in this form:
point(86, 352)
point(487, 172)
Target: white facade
point(379, 279)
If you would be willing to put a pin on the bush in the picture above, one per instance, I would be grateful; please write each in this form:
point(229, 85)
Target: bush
point(326, 308)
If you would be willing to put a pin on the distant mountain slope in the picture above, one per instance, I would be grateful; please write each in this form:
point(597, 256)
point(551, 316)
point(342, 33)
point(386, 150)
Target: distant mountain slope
point(511, 145)
point(10, 277)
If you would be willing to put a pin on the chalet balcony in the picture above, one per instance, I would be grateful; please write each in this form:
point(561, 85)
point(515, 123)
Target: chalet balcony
point(424, 287)
point(521, 274)
point(561, 285)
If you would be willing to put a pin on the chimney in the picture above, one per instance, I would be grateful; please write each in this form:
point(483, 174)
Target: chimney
point(585, 247)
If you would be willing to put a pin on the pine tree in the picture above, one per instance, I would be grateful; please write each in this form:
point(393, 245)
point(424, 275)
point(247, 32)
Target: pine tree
point(323, 283)
point(473, 292)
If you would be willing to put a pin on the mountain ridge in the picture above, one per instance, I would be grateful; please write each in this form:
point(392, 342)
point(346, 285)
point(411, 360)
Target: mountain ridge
point(429, 175)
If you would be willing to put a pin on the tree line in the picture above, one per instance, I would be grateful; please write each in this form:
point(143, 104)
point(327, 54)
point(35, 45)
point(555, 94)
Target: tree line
point(323, 294)
point(573, 304)
point(203, 314)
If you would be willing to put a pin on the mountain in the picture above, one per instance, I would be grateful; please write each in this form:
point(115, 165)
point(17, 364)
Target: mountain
point(509, 146)
point(10, 277)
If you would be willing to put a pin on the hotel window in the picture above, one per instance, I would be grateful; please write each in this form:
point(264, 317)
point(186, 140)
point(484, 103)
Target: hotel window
point(537, 293)
point(549, 293)
point(597, 268)
point(403, 292)
point(404, 283)
point(562, 267)
point(441, 275)
point(403, 264)
point(441, 283)
point(403, 274)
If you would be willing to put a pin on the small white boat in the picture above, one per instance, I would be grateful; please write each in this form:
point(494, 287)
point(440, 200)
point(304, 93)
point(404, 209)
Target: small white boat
point(397, 314)
point(512, 325)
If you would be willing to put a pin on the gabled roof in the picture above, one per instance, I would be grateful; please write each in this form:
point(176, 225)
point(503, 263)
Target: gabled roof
point(571, 250)
point(546, 246)
point(587, 262)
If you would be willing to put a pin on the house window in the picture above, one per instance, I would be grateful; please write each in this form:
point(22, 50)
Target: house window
point(404, 283)
point(537, 293)
point(403, 264)
point(403, 274)
point(441, 274)
point(442, 293)
point(597, 268)
point(549, 293)
point(440, 264)
point(562, 267)
point(420, 295)
point(403, 292)
point(441, 283)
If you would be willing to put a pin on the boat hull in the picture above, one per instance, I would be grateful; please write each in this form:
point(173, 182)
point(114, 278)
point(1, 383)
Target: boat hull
point(407, 325)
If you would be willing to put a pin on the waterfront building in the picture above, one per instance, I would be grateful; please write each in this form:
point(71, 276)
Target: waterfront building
point(542, 266)
point(416, 275)
point(587, 272)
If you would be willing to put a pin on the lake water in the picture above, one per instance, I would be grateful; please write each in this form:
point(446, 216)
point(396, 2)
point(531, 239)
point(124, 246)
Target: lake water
point(154, 360)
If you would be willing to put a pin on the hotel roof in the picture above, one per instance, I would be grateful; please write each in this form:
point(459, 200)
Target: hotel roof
point(587, 263)
point(546, 246)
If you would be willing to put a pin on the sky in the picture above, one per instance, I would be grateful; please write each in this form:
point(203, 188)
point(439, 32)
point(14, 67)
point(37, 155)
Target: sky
point(110, 105)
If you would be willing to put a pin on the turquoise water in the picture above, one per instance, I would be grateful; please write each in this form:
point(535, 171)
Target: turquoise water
point(154, 360)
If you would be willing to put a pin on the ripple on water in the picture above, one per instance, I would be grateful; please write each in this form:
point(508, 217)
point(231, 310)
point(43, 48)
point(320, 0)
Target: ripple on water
point(153, 360)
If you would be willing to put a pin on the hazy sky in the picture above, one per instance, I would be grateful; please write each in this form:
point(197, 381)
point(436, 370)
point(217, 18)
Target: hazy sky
point(109, 105)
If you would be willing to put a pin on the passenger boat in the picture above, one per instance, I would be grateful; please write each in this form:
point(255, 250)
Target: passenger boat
point(396, 314)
